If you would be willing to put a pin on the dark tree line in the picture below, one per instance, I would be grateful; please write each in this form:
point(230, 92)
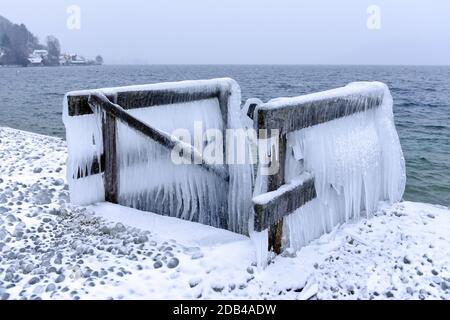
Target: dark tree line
point(16, 44)
point(54, 51)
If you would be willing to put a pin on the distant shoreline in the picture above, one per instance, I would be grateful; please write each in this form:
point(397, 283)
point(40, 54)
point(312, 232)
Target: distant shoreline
point(233, 65)
point(61, 66)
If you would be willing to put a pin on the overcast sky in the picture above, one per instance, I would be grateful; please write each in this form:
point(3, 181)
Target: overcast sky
point(244, 31)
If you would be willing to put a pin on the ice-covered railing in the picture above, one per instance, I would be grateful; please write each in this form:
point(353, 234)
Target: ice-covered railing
point(339, 155)
point(120, 142)
point(336, 154)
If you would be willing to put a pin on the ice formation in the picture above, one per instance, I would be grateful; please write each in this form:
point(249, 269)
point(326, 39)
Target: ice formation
point(357, 162)
point(85, 143)
point(148, 178)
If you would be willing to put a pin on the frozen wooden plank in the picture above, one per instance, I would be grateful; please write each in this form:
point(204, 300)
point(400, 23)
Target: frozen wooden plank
point(162, 138)
point(292, 114)
point(78, 105)
point(271, 207)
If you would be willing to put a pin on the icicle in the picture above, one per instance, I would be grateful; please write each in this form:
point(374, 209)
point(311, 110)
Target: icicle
point(260, 239)
point(261, 243)
point(357, 161)
point(149, 180)
point(241, 175)
point(147, 176)
point(84, 138)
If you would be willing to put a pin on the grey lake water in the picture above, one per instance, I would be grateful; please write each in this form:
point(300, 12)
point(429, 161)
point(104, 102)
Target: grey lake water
point(31, 99)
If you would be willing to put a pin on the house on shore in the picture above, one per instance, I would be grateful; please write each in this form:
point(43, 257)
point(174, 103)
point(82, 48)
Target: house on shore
point(37, 57)
point(78, 60)
point(67, 59)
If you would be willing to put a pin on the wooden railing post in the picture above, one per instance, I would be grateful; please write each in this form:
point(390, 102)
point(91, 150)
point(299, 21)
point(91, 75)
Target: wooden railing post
point(111, 177)
point(276, 181)
point(293, 114)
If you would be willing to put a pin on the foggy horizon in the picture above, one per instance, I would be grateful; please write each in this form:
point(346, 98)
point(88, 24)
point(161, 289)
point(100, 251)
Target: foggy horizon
point(252, 33)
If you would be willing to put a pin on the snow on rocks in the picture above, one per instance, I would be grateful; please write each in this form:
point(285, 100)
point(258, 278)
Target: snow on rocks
point(404, 255)
point(50, 249)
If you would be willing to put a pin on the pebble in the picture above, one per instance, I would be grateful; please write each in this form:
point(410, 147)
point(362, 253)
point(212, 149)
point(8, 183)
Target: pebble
point(9, 276)
point(141, 239)
point(436, 279)
point(10, 218)
point(3, 235)
point(37, 170)
point(217, 288)
point(119, 227)
point(87, 274)
point(51, 270)
point(194, 282)
point(58, 182)
point(38, 290)
point(28, 268)
point(197, 255)
point(3, 210)
point(60, 278)
point(157, 265)
point(106, 230)
point(173, 263)
point(50, 288)
point(422, 294)
point(42, 198)
point(34, 280)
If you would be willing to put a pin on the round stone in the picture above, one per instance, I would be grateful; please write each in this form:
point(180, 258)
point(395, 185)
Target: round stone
point(173, 263)
point(37, 170)
point(34, 280)
point(60, 278)
point(58, 182)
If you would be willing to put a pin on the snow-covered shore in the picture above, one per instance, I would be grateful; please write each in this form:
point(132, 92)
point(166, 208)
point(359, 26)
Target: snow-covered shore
point(51, 249)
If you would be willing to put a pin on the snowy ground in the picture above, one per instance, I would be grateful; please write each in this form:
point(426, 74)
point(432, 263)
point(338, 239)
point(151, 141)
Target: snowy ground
point(50, 249)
